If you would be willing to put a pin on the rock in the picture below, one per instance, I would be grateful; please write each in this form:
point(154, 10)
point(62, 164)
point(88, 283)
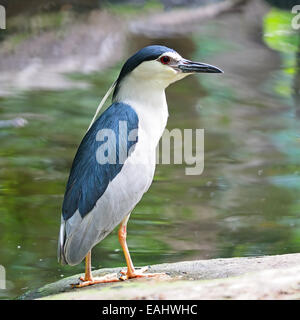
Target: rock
point(267, 277)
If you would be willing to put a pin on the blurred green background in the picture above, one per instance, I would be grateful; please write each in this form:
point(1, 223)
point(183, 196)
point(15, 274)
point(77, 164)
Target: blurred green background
point(58, 58)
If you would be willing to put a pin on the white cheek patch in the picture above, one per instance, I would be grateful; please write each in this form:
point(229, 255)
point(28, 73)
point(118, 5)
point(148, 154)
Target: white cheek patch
point(147, 68)
point(150, 69)
point(155, 67)
point(158, 72)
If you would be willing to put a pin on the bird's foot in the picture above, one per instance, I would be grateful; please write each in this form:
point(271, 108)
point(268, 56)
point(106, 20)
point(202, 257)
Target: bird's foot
point(113, 277)
point(140, 273)
point(83, 282)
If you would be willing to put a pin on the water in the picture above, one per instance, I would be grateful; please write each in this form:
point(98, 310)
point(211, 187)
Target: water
point(246, 202)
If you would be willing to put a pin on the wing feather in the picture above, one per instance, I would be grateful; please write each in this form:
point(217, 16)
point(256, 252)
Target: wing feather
point(88, 182)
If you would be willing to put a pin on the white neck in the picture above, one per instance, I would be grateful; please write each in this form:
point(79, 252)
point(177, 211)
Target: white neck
point(148, 99)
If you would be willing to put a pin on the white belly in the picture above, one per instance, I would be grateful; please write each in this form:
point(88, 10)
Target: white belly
point(128, 187)
point(118, 200)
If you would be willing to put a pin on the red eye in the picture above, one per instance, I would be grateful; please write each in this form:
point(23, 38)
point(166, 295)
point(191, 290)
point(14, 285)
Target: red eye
point(165, 59)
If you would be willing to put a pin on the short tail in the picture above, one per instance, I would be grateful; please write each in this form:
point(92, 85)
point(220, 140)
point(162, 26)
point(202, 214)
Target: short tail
point(61, 243)
point(77, 237)
point(72, 248)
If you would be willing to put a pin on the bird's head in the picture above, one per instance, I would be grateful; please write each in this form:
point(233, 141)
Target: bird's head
point(156, 67)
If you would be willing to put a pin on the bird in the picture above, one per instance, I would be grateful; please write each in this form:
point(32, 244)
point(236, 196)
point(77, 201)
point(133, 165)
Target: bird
point(109, 176)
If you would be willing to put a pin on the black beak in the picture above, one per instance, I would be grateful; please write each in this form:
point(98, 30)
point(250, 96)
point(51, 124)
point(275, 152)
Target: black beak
point(188, 66)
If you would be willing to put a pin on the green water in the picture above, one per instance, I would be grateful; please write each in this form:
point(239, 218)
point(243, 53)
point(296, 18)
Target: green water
point(246, 202)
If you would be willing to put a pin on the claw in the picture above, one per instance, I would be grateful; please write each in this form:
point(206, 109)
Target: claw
point(122, 275)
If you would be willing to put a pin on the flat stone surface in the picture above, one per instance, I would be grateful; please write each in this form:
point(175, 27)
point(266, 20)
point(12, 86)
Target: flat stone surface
point(266, 277)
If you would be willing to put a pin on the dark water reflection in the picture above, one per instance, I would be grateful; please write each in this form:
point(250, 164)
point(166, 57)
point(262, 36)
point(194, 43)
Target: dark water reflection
point(246, 202)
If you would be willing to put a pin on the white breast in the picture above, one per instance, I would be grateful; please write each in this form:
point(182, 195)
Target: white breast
point(148, 99)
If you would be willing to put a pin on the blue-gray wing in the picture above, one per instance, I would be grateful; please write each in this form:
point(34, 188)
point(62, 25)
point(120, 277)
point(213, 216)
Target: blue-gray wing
point(98, 161)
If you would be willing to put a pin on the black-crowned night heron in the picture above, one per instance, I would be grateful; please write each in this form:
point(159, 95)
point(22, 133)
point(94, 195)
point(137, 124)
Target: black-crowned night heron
point(115, 162)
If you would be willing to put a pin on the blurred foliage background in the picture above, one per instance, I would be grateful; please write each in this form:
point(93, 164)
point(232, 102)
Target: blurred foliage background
point(58, 58)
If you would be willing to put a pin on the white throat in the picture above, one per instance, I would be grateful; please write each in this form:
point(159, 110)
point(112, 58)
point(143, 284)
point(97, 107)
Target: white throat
point(148, 99)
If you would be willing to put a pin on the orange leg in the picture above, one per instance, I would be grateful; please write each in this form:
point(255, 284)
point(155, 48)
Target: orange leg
point(88, 268)
point(122, 239)
point(131, 272)
point(88, 279)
